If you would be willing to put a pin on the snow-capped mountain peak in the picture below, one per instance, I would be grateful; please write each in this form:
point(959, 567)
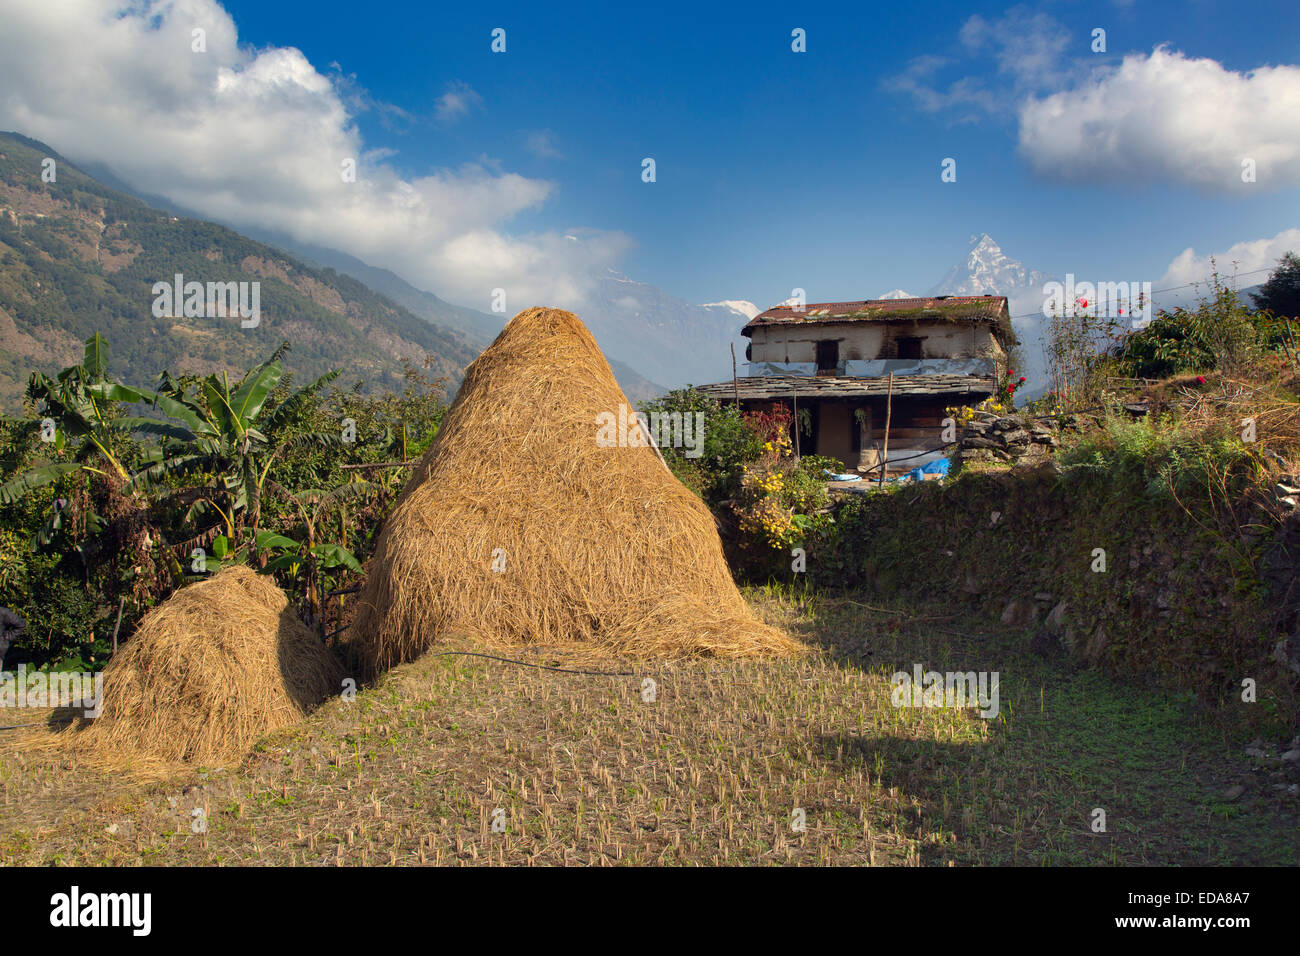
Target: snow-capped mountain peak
point(987, 270)
point(897, 294)
point(743, 306)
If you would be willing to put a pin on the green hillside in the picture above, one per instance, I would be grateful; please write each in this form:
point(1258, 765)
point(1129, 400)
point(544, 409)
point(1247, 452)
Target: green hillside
point(77, 257)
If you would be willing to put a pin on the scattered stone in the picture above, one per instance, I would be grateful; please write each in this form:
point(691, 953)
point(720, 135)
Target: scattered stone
point(1292, 756)
point(1056, 617)
point(1233, 792)
point(1019, 614)
point(1096, 645)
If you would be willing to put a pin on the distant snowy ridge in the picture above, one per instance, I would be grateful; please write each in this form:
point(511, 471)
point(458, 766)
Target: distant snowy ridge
point(744, 307)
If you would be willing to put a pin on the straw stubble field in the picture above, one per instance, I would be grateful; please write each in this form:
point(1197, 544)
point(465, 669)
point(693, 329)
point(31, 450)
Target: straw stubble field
point(588, 772)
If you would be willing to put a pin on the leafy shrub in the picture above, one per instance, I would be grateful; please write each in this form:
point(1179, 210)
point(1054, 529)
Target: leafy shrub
point(779, 500)
point(1220, 333)
point(728, 444)
point(1158, 456)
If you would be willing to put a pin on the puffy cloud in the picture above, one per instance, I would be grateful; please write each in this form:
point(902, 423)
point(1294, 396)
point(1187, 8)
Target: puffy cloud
point(257, 138)
point(1161, 117)
point(1251, 261)
point(1165, 117)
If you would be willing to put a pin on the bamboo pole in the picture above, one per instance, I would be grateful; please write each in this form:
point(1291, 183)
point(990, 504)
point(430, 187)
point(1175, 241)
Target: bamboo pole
point(385, 464)
point(889, 411)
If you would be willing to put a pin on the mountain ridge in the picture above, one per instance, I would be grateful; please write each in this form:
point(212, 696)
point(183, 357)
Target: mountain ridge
point(78, 256)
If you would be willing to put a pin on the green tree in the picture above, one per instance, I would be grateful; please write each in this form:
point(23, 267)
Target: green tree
point(1280, 295)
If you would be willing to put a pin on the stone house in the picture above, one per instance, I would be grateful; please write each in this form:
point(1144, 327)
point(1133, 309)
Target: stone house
point(831, 363)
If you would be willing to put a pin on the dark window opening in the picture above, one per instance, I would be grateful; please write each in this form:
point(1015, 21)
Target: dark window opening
point(828, 355)
point(909, 347)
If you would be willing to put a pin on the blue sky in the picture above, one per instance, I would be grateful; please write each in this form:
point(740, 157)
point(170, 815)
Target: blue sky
point(775, 169)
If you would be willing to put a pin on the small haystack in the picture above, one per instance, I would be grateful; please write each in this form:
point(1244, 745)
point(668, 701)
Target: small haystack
point(520, 527)
point(216, 666)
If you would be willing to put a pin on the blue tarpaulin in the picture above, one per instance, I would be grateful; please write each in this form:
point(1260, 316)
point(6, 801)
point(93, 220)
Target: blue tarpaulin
point(937, 467)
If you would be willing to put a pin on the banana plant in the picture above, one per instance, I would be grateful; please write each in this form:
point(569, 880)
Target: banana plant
point(79, 402)
point(220, 430)
point(292, 556)
point(308, 559)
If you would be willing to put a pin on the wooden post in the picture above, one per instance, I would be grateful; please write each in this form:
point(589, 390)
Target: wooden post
point(889, 411)
point(735, 385)
point(120, 604)
point(794, 397)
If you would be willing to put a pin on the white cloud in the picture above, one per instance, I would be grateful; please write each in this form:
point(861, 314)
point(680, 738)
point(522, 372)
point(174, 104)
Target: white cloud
point(1247, 259)
point(1162, 117)
point(1026, 45)
point(919, 80)
point(256, 138)
point(1027, 48)
point(1165, 117)
point(457, 102)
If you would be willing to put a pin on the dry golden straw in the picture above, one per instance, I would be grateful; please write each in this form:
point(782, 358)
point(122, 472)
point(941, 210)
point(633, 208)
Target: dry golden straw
point(603, 548)
point(216, 666)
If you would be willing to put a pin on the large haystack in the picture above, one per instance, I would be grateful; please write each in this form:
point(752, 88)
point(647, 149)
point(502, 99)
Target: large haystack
point(602, 547)
point(208, 671)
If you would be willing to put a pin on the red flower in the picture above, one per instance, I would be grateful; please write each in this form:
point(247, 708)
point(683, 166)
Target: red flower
point(1200, 379)
point(1022, 378)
